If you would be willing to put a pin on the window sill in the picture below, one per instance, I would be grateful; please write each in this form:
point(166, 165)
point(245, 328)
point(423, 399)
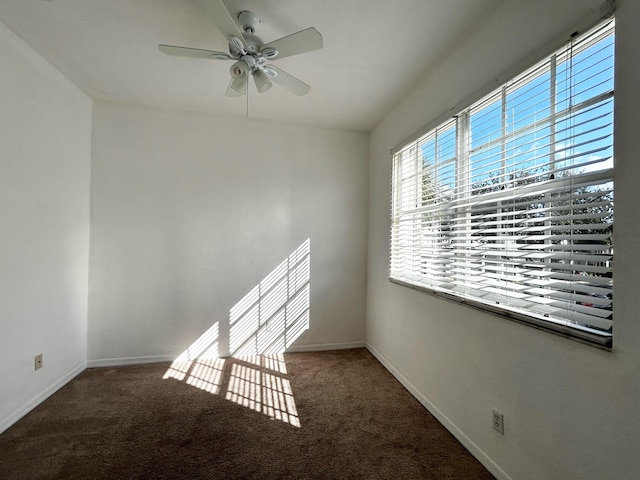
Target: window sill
point(603, 342)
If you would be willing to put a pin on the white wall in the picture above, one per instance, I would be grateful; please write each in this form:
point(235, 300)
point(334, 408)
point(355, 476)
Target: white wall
point(190, 212)
point(45, 135)
point(571, 411)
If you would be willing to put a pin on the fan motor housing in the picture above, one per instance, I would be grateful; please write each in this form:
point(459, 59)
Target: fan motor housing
point(254, 42)
point(249, 21)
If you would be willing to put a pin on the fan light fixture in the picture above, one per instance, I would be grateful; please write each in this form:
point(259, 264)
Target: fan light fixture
point(262, 81)
point(239, 77)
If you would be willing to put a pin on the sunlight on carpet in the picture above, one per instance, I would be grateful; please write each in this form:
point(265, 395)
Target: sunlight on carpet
point(258, 383)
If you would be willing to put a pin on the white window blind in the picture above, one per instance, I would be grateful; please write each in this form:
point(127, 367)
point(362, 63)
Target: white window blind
point(509, 205)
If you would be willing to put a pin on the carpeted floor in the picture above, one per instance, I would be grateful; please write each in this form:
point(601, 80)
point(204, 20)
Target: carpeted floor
point(326, 415)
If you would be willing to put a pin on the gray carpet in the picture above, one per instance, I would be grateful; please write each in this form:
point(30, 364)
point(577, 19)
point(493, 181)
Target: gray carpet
point(326, 415)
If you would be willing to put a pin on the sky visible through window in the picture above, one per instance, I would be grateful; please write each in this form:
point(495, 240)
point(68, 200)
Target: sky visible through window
point(528, 102)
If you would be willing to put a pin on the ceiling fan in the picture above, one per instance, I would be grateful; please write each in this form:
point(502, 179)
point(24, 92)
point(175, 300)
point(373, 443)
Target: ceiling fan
point(250, 52)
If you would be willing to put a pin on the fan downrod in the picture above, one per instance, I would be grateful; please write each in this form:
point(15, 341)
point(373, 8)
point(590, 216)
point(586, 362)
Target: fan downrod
point(249, 21)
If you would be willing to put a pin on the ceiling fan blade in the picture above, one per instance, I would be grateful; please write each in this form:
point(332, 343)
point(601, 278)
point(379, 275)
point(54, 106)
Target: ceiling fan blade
point(289, 82)
point(296, 43)
point(216, 10)
point(193, 52)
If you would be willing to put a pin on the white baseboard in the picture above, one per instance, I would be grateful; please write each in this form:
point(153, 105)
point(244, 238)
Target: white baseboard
point(321, 347)
point(115, 362)
point(41, 397)
point(482, 457)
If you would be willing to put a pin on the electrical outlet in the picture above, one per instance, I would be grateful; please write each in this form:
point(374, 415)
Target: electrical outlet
point(38, 361)
point(498, 422)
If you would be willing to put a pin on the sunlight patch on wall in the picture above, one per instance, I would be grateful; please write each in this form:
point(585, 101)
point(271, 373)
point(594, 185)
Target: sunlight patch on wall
point(274, 313)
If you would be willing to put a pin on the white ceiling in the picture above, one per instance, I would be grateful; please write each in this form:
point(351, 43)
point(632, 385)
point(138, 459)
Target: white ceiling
point(374, 51)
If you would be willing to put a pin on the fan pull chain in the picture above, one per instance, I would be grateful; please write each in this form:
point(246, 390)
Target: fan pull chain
point(247, 98)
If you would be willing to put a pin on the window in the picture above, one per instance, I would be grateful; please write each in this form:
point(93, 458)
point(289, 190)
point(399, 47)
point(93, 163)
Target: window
point(508, 206)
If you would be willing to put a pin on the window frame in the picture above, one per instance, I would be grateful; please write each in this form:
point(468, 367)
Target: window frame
point(462, 163)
